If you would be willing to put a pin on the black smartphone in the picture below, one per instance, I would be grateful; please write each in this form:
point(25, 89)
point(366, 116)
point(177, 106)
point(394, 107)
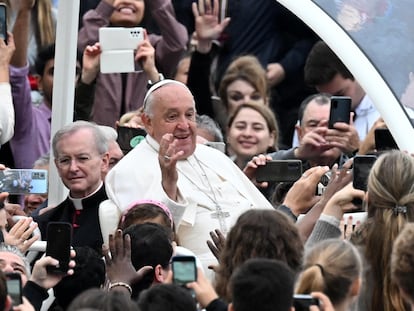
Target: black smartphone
point(59, 240)
point(303, 302)
point(129, 137)
point(14, 288)
point(23, 181)
point(360, 169)
point(340, 110)
point(3, 22)
point(280, 171)
point(184, 270)
point(384, 140)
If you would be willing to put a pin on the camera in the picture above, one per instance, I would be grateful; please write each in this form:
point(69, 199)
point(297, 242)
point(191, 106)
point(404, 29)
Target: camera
point(118, 45)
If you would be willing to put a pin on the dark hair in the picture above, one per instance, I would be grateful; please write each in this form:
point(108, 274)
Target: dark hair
point(45, 54)
point(322, 65)
point(262, 284)
point(142, 212)
point(98, 299)
point(258, 233)
point(156, 298)
point(150, 246)
point(89, 272)
point(3, 290)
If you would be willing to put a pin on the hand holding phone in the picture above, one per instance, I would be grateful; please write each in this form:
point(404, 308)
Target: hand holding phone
point(59, 240)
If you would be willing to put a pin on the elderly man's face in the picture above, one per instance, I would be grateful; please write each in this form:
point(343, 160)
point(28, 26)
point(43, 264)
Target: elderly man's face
point(79, 163)
point(313, 116)
point(12, 263)
point(174, 112)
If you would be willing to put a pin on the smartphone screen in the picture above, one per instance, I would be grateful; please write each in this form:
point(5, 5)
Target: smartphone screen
point(129, 137)
point(59, 240)
point(340, 110)
point(384, 140)
point(3, 22)
point(361, 168)
point(184, 269)
point(303, 302)
point(280, 171)
point(23, 181)
point(14, 288)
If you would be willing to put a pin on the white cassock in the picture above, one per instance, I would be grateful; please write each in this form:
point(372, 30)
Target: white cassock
point(207, 179)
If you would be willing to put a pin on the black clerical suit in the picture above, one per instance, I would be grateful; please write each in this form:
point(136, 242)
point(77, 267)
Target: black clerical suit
point(85, 221)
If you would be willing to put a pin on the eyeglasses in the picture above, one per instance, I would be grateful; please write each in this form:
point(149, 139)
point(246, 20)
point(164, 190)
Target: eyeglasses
point(65, 162)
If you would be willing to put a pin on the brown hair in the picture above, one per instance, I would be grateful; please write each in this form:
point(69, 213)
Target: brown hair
point(246, 68)
point(402, 261)
point(390, 207)
point(330, 266)
point(263, 233)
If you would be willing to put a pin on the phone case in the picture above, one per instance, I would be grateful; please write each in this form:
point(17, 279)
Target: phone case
point(59, 240)
point(24, 181)
point(361, 168)
point(340, 110)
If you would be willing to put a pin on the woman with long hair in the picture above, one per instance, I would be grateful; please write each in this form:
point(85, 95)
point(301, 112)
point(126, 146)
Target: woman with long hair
point(389, 205)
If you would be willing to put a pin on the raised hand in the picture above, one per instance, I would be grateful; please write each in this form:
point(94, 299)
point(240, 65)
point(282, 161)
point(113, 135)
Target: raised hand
point(207, 25)
point(118, 263)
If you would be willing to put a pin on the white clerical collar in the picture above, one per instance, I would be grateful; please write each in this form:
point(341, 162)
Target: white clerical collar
point(77, 202)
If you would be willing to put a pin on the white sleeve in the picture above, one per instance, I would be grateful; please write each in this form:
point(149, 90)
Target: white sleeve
point(6, 113)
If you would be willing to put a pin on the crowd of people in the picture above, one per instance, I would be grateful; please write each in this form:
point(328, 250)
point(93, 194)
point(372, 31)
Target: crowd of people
point(215, 99)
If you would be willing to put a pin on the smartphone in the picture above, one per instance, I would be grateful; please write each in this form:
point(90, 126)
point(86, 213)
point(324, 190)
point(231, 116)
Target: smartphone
point(220, 146)
point(3, 22)
point(280, 171)
point(129, 137)
point(118, 45)
point(184, 270)
point(340, 110)
point(23, 181)
point(14, 288)
point(59, 240)
point(384, 140)
point(303, 302)
point(361, 168)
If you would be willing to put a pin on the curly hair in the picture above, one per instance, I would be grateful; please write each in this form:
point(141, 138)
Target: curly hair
point(258, 233)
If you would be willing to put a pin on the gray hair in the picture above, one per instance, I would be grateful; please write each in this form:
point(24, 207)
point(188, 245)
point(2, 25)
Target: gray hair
point(101, 142)
point(208, 124)
point(109, 132)
point(5, 248)
point(43, 160)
